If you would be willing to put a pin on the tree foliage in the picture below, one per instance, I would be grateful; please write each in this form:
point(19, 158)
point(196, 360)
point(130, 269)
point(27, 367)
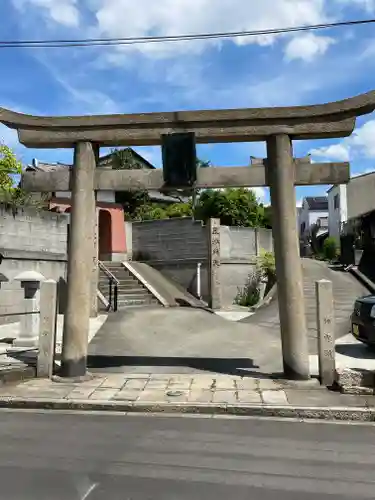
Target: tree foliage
point(9, 166)
point(11, 194)
point(233, 206)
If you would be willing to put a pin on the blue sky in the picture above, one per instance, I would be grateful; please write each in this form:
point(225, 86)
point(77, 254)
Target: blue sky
point(303, 68)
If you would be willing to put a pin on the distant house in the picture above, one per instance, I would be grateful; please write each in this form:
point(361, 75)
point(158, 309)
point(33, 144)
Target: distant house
point(337, 210)
point(111, 226)
point(107, 162)
point(313, 213)
point(352, 216)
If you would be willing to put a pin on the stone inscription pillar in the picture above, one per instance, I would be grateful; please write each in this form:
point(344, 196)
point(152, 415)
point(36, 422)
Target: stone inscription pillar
point(326, 332)
point(95, 269)
point(213, 227)
point(281, 176)
point(80, 258)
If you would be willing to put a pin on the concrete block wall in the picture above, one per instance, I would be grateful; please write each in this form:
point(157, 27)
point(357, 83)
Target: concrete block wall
point(243, 243)
point(29, 240)
point(174, 247)
point(169, 240)
point(34, 231)
point(239, 249)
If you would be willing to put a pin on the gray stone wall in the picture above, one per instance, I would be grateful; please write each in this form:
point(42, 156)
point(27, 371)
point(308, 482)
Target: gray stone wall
point(169, 240)
point(239, 249)
point(29, 240)
point(174, 247)
point(360, 195)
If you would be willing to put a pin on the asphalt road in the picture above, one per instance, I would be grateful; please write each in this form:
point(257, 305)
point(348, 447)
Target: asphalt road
point(84, 456)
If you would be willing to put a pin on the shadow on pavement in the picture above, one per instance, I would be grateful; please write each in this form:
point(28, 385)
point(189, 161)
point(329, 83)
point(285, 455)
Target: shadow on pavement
point(239, 366)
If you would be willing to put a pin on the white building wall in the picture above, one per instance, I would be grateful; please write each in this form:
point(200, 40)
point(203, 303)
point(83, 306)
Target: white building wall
point(105, 196)
point(309, 217)
point(337, 216)
point(315, 215)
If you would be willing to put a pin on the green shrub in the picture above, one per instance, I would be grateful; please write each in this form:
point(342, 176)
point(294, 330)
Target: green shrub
point(330, 248)
point(267, 267)
point(249, 295)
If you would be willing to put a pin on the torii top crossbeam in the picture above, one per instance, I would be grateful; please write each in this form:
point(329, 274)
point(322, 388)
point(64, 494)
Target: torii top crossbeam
point(332, 120)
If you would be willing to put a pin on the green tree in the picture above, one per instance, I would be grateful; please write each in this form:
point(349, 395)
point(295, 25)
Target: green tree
point(12, 194)
point(9, 166)
point(179, 210)
point(124, 159)
point(233, 206)
point(149, 211)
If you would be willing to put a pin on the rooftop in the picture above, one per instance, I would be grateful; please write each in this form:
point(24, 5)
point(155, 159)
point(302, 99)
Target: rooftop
point(318, 203)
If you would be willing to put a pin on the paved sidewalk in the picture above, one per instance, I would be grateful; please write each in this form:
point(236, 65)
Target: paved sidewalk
point(190, 394)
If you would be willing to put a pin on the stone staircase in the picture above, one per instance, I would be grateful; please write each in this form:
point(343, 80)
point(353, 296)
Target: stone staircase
point(131, 292)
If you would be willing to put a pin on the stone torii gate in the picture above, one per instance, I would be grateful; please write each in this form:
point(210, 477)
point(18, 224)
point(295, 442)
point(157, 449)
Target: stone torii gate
point(277, 126)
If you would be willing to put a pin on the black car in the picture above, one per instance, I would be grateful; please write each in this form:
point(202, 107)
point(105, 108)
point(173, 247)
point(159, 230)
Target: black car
point(363, 320)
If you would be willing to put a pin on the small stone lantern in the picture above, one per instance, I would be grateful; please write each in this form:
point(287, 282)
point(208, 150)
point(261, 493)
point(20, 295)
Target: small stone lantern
point(30, 320)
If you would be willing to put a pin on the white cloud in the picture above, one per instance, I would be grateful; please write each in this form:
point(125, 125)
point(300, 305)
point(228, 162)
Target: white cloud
point(260, 193)
point(307, 47)
point(367, 5)
point(339, 152)
point(363, 139)
point(64, 12)
point(360, 144)
point(129, 18)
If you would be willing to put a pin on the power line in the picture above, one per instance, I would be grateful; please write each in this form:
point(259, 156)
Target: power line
point(92, 42)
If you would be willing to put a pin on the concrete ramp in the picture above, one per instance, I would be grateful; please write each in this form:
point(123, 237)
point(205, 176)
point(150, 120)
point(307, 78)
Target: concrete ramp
point(167, 291)
point(345, 291)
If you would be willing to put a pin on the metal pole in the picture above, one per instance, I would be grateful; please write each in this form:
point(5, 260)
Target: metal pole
point(199, 282)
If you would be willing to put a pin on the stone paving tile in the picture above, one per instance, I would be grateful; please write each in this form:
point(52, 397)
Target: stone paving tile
point(325, 398)
point(229, 397)
point(250, 384)
point(80, 393)
point(249, 397)
point(202, 383)
point(113, 382)
point(274, 397)
point(269, 384)
point(182, 383)
point(227, 383)
point(201, 396)
point(126, 395)
point(135, 384)
point(151, 396)
point(157, 384)
point(103, 394)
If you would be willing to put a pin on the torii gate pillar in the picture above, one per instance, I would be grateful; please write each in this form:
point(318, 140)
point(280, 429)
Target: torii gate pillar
point(281, 175)
point(81, 250)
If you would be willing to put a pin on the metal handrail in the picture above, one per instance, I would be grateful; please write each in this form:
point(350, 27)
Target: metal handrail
point(108, 272)
point(113, 287)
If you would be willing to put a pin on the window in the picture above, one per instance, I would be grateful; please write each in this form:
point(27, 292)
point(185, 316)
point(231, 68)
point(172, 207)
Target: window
point(336, 202)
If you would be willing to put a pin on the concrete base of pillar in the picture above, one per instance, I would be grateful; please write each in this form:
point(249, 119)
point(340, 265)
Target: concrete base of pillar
point(73, 368)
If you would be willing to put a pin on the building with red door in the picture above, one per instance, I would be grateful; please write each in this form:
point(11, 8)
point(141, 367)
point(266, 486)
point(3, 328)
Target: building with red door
point(111, 224)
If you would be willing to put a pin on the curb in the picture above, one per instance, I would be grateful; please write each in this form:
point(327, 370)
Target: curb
point(359, 414)
point(11, 375)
